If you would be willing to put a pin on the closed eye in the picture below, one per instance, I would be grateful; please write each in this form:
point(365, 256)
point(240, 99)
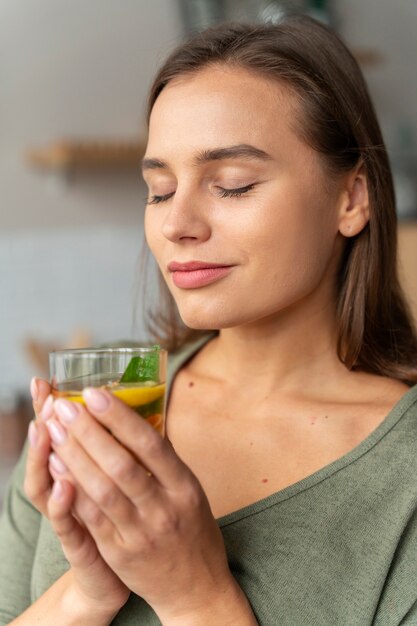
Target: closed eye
point(158, 199)
point(223, 193)
point(235, 193)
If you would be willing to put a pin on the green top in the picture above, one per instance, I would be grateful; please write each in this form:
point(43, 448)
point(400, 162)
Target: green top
point(337, 548)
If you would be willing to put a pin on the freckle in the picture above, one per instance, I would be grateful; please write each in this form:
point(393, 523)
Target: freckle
point(313, 420)
point(326, 417)
point(191, 384)
point(264, 480)
point(251, 443)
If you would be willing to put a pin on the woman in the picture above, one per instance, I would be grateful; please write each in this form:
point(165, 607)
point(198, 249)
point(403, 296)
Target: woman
point(291, 423)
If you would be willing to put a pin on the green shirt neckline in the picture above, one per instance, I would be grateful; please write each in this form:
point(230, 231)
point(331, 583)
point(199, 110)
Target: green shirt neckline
point(390, 420)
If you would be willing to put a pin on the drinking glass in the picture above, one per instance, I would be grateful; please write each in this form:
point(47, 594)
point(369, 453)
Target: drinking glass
point(135, 375)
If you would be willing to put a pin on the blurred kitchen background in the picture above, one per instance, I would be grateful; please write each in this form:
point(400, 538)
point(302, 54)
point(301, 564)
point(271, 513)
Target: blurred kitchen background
point(73, 82)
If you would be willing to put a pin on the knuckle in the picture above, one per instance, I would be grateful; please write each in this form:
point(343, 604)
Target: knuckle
point(192, 495)
point(59, 532)
point(55, 518)
point(106, 496)
point(59, 529)
point(167, 523)
point(83, 428)
point(152, 443)
point(92, 516)
point(141, 546)
point(123, 469)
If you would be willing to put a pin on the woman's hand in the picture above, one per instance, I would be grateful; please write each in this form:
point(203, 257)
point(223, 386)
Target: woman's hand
point(91, 579)
point(38, 482)
point(144, 508)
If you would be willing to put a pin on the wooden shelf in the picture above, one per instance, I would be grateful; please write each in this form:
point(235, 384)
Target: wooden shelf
point(69, 154)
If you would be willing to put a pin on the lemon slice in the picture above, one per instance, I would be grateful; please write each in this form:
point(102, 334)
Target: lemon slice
point(132, 396)
point(136, 396)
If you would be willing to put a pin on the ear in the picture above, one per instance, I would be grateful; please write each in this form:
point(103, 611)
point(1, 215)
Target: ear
point(354, 206)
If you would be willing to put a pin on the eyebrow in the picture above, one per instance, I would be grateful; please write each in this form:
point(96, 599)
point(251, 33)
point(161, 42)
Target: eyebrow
point(241, 151)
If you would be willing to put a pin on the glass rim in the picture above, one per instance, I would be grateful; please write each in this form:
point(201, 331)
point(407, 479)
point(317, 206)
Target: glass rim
point(101, 351)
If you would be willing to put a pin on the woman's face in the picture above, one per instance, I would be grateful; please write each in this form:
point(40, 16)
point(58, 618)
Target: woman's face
point(278, 234)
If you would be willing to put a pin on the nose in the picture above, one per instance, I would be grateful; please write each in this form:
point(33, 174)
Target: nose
point(186, 218)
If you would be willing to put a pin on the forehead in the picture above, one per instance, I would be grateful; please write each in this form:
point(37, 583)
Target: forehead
point(222, 99)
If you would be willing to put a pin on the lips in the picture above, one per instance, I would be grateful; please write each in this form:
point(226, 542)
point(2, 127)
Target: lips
point(190, 266)
point(195, 274)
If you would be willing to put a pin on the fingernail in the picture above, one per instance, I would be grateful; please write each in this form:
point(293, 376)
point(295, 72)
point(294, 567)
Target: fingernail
point(48, 408)
point(34, 392)
point(57, 490)
point(96, 399)
point(57, 432)
point(33, 434)
point(57, 464)
point(66, 410)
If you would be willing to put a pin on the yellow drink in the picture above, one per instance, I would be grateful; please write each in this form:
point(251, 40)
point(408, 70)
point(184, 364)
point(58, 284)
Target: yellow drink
point(147, 399)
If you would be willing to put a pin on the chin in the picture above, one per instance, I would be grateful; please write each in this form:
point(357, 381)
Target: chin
point(215, 317)
point(202, 322)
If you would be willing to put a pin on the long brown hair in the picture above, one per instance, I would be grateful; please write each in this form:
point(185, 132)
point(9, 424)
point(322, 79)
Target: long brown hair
point(376, 332)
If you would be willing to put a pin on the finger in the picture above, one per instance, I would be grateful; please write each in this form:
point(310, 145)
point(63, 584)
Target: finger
point(137, 435)
point(58, 470)
point(94, 482)
point(78, 546)
point(39, 390)
point(37, 484)
point(90, 516)
point(113, 458)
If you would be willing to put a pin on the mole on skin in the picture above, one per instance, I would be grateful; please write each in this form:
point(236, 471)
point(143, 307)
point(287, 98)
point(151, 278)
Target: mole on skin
point(314, 418)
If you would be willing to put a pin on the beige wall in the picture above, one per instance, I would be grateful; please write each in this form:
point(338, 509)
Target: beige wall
point(408, 261)
point(75, 69)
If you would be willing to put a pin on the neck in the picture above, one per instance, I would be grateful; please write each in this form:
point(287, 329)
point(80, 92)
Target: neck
point(295, 349)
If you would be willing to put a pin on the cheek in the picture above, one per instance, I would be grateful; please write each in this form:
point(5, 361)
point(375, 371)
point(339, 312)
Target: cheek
point(153, 233)
point(290, 247)
point(147, 226)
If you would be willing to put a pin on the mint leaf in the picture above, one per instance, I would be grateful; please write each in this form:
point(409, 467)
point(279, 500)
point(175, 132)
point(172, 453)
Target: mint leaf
point(157, 406)
point(142, 368)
